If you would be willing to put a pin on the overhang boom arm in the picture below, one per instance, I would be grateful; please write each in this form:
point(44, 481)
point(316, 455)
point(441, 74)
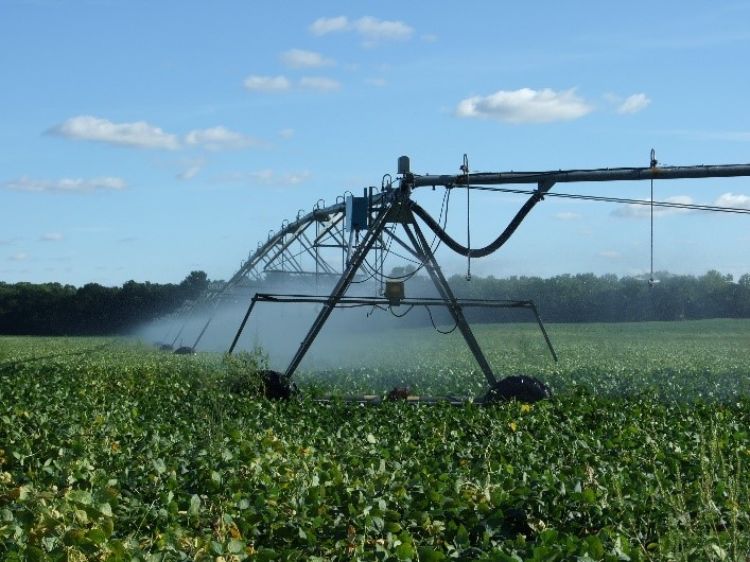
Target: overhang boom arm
point(594, 175)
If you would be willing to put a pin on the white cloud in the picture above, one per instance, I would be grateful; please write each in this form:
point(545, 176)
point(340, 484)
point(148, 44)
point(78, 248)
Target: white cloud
point(429, 38)
point(218, 138)
point(634, 104)
point(298, 58)
point(256, 83)
point(286, 134)
point(66, 184)
point(526, 106)
point(20, 256)
point(319, 83)
point(644, 211)
point(322, 26)
point(51, 237)
point(138, 134)
point(372, 30)
point(736, 200)
point(567, 216)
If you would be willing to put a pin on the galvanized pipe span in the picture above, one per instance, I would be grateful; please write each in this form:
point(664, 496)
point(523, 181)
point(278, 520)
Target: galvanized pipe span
point(545, 180)
point(593, 175)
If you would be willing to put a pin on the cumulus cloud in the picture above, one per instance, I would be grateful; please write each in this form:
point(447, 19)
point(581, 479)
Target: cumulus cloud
point(20, 256)
point(138, 134)
point(268, 84)
point(298, 58)
point(371, 29)
point(526, 106)
point(323, 26)
point(634, 104)
point(374, 29)
point(51, 237)
point(736, 200)
point(218, 138)
point(644, 211)
point(70, 185)
point(277, 84)
point(319, 83)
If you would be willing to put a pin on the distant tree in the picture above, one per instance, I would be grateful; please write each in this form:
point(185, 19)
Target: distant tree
point(194, 284)
point(55, 309)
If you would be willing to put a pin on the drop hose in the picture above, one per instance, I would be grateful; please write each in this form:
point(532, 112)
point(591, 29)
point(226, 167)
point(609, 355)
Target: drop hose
point(486, 250)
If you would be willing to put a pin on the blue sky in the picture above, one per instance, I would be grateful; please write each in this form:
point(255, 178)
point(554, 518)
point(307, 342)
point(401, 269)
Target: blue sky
point(141, 140)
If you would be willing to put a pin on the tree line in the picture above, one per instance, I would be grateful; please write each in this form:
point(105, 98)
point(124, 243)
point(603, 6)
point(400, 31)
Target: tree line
point(609, 298)
point(52, 309)
point(55, 309)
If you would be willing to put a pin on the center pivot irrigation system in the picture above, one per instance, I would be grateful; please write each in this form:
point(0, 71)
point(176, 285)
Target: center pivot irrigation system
point(363, 230)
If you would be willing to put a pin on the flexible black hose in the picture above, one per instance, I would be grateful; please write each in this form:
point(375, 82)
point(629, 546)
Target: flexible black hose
point(486, 250)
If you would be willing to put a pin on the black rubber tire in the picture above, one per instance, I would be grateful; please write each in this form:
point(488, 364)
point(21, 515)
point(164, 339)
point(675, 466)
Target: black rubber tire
point(523, 388)
point(276, 386)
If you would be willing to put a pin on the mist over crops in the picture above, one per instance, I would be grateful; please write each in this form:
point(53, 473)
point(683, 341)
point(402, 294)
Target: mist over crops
point(352, 337)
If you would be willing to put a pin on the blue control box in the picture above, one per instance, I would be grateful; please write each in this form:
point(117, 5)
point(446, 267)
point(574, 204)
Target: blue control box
point(356, 213)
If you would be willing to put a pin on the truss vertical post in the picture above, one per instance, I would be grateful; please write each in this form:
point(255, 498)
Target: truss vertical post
point(205, 327)
point(352, 265)
point(179, 332)
point(242, 325)
point(422, 246)
point(544, 331)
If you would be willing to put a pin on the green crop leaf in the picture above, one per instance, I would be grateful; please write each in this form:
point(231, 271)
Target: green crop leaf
point(427, 554)
point(235, 546)
point(96, 535)
point(195, 506)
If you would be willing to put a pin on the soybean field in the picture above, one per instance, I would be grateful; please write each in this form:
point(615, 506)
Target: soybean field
point(112, 450)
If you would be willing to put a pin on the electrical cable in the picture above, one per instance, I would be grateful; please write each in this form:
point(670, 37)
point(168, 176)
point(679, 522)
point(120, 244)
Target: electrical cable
point(376, 306)
point(653, 162)
point(438, 330)
point(651, 277)
point(619, 200)
point(376, 271)
point(408, 310)
point(535, 197)
point(486, 250)
point(465, 169)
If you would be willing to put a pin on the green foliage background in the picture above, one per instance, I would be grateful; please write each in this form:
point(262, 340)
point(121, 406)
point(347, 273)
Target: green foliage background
point(112, 451)
point(51, 309)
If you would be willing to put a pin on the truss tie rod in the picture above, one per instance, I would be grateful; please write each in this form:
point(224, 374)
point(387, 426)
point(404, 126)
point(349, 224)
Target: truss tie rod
point(367, 301)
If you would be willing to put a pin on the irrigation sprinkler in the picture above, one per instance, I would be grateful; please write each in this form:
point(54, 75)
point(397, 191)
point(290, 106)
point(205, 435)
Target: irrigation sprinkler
point(367, 228)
